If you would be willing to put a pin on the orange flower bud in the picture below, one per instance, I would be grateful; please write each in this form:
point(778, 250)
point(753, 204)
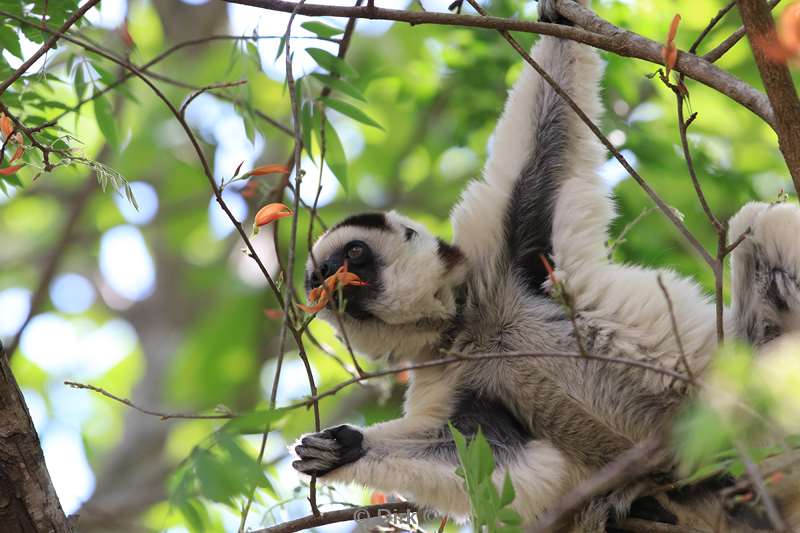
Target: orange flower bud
point(269, 169)
point(669, 53)
point(402, 377)
point(271, 213)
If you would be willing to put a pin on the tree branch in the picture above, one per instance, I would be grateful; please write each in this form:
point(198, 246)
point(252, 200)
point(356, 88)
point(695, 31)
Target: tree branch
point(613, 39)
point(28, 501)
point(48, 44)
point(342, 515)
point(777, 81)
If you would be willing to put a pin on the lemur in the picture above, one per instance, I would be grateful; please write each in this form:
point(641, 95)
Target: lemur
point(551, 422)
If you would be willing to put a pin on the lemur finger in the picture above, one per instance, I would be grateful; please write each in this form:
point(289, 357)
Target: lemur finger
point(314, 467)
point(304, 452)
point(318, 441)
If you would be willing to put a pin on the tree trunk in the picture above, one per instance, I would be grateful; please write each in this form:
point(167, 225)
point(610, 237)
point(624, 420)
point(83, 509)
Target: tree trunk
point(28, 501)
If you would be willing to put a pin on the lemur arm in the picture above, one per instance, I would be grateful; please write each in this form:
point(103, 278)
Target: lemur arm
point(538, 145)
point(402, 456)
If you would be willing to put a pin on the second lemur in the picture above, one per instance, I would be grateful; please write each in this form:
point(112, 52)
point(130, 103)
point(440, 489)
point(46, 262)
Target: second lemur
point(551, 423)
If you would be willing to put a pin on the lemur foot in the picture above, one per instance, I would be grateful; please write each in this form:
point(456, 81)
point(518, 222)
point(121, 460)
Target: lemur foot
point(321, 453)
point(766, 268)
point(548, 11)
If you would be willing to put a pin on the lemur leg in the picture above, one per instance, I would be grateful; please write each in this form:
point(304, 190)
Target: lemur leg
point(765, 271)
point(397, 456)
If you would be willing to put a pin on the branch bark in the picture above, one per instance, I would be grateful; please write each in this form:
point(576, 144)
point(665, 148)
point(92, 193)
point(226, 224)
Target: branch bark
point(778, 82)
point(28, 501)
point(612, 39)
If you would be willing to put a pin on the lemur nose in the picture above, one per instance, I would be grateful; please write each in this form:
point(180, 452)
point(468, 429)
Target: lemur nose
point(326, 269)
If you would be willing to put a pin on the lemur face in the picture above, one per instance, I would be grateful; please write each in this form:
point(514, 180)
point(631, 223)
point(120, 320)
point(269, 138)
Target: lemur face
point(409, 273)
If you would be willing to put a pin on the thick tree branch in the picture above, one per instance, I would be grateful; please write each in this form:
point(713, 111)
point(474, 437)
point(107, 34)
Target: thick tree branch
point(612, 39)
point(28, 501)
point(777, 81)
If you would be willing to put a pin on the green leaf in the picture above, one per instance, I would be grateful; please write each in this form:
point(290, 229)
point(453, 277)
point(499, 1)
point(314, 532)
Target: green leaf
point(281, 46)
point(351, 111)
point(80, 80)
point(509, 516)
point(320, 29)
point(252, 53)
point(217, 482)
point(9, 40)
point(195, 514)
point(508, 494)
point(307, 124)
point(338, 84)
point(104, 115)
point(335, 156)
point(330, 62)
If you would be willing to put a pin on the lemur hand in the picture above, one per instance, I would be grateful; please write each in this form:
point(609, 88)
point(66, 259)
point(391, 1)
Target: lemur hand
point(320, 453)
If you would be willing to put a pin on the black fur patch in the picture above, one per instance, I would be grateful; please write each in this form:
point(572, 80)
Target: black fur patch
point(473, 410)
point(365, 220)
point(648, 508)
point(449, 254)
point(529, 218)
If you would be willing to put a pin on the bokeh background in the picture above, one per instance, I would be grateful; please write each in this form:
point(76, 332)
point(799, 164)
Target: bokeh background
point(161, 306)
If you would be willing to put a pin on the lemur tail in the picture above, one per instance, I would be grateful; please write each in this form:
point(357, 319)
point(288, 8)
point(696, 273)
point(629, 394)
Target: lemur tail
point(766, 271)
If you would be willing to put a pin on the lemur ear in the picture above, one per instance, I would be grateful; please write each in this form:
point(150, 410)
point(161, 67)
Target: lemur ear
point(453, 260)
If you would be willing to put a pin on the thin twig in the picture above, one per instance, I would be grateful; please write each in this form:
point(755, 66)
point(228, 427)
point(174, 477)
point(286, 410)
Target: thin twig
point(159, 414)
point(760, 486)
point(734, 38)
point(675, 331)
point(205, 89)
point(451, 358)
point(710, 26)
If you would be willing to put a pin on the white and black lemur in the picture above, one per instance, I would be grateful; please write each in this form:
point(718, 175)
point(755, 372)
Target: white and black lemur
point(551, 422)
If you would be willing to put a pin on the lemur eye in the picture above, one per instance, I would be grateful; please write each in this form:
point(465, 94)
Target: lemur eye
point(356, 252)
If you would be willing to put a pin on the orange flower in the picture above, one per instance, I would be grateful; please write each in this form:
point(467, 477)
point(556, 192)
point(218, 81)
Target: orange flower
point(402, 377)
point(378, 498)
point(271, 213)
point(323, 294)
point(10, 170)
point(669, 52)
point(269, 169)
point(5, 125)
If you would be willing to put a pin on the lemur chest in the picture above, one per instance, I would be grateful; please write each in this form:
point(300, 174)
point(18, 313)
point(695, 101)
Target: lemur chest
point(506, 319)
